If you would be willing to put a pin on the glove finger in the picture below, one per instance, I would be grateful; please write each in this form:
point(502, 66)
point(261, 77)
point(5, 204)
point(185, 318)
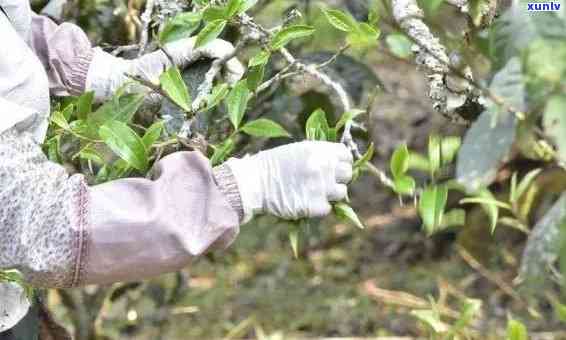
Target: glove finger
point(338, 193)
point(182, 51)
point(343, 153)
point(234, 71)
point(344, 172)
point(217, 49)
point(321, 209)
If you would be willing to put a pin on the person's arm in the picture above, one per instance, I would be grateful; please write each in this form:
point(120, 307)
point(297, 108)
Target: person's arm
point(74, 66)
point(61, 233)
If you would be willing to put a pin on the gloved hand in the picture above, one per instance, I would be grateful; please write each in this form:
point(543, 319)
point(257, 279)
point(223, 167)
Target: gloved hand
point(293, 181)
point(107, 73)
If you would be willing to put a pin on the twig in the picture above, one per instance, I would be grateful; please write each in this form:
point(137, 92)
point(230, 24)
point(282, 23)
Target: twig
point(403, 299)
point(145, 19)
point(125, 48)
point(159, 90)
point(485, 91)
point(492, 277)
point(204, 89)
point(281, 75)
point(334, 57)
point(410, 17)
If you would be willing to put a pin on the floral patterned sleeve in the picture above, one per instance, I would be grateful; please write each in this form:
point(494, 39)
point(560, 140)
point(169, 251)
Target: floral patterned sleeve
point(59, 232)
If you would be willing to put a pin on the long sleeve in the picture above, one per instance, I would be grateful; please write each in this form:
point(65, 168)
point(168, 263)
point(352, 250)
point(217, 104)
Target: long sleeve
point(65, 52)
point(61, 233)
point(74, 66)
point(19, 115)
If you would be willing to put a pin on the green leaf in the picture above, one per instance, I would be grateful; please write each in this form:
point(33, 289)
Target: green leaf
point(483, 150)
point(84, 104)
point(347, 117)
point(516, 29)
point(294, 239)
point(287, 34)
point(554, 123)
point(121, 108)
point(404, 185)
point(525, 184)
point(255, 76)
point(234, 7)
point(399, 45)
point(181, 26)
point(514, 223)
point(90, 154)
point(265, 128)
point(125, 143)
point(367, 156)
point(560, 311)
point(431, 206)
point(214, 13)
point(373, 15)
point(485, 200)
point(332, 135)
point(210, 32)
point(449, 148)
point(58, 117)
point(516, 330)
point(84, 129)
point(222, 151)
point(53, 146)
point(152, 134)
point(492, 210)
point(317, 126)
point(513, 188)
point(544, 246)
point(340, 20)
point(68, 111)
point(470, 310)
point(219, 92)
point(434, 154)
point(237, 102)
point(345, 212)
point(508, 84)
point(418, 162)
point(399, 163)
point(545, 64)
point(453, 218)
point(365, 36)
point(173, 84)
point(260, 59)
point(430, 318)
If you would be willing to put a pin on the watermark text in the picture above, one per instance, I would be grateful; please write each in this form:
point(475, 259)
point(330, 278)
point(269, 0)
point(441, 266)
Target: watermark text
point(543, 6)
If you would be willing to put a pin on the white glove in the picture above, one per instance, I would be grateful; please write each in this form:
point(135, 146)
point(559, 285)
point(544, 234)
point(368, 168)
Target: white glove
point(107, 73)
point(293, 181)
point(14, 305)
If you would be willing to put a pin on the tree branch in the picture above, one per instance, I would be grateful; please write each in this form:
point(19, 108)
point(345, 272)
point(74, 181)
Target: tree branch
point(145, 19)
point(431, 55)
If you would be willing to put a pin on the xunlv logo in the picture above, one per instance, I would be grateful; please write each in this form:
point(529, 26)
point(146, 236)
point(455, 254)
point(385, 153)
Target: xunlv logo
point(543, 6)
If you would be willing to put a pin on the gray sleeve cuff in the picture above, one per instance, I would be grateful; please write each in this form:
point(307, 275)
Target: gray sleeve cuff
point(227, 184)
point(78, 74)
